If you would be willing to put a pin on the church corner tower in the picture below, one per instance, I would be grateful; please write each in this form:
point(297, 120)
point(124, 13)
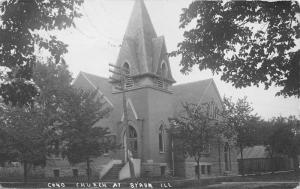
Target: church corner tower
point(148, 94)
point(144, 53)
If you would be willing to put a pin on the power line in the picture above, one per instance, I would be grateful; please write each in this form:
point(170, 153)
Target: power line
point(111, 40)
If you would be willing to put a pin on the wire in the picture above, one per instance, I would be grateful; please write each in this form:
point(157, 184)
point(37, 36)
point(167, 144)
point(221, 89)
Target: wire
point(112, 41)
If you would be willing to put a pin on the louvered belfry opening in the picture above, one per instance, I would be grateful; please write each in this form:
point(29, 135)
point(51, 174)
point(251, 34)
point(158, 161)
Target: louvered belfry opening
point(144, 53)
point(128, 80)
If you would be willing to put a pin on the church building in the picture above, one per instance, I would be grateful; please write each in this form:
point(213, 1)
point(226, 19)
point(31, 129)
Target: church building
point(152, 98)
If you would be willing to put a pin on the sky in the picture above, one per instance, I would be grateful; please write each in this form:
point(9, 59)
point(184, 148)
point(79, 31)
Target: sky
point(99, 32)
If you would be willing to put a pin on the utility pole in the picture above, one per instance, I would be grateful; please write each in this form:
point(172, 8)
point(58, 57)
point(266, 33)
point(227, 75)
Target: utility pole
point(123, 74)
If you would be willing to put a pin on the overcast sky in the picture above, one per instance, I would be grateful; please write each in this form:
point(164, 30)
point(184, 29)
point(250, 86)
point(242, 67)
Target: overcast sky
point(95, 44)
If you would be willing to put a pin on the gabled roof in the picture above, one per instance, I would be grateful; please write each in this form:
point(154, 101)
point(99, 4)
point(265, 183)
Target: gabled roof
point(191, 92)
point(93, 82)
point(195, 92)
point(254, 152)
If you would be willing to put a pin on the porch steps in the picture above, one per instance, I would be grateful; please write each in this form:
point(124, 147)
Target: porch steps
point(113, 173)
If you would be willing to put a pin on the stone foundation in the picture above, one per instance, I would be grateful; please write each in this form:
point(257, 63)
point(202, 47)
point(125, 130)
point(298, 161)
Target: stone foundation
point(154, 169)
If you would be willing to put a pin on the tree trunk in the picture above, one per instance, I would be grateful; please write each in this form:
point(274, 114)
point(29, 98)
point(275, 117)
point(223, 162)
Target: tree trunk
point(296, 163)
point(25, 171)
point(198, 170)
point(242, 161)
point(272, 163)
point(88, 169)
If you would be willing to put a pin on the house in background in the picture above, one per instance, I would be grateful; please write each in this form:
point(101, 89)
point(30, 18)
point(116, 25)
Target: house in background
point(151, 100)
point(256, 159)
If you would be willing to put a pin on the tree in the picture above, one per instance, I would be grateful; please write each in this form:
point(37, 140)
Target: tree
point(284, 139)
point(239, 124)
point(248, 42)
point(54, 83)
point(81, 139)
point(24, 138)
point(23, 27)
point(26, 133)
point(194, 129)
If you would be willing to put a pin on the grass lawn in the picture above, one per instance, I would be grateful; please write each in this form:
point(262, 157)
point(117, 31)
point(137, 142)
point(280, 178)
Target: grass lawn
point(283, 176)
point(264, 181)
point(250, 186)
point(248, 182)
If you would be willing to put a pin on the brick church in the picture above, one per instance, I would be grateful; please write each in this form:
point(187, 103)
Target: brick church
point(152, 98)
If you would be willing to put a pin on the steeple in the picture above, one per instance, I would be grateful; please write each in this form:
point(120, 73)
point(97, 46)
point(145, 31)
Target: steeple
point(142, 50)
point(140, 22)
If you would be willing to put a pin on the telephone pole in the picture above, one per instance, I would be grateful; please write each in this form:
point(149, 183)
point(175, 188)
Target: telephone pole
point(123, 74)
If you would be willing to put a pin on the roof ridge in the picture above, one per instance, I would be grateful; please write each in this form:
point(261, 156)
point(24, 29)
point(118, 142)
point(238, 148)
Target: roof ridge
point(193, 82)
point(86, 73)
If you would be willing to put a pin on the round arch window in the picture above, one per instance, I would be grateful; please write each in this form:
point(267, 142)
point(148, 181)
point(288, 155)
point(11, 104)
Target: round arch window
point(161, 139)
point(132, 141)
point(126, 67)
point(227, 159)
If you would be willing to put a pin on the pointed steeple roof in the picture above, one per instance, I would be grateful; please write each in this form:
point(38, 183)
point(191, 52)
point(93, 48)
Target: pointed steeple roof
point(140, 22)
point(140, 43)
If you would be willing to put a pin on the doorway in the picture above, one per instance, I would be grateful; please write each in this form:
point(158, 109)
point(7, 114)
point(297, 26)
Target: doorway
point(133, 143)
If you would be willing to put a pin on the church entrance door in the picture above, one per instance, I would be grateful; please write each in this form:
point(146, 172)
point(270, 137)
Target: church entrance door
point(133, 143)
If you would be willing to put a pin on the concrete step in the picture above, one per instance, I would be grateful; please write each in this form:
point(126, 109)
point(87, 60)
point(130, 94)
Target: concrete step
point(113, 173)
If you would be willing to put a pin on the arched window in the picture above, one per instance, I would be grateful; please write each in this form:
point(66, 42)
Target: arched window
point(163, 70)
point(132, 132)
point(132, 139)
point(126, 67)
point(161, 139)
point(212, 110)
point(227, 157)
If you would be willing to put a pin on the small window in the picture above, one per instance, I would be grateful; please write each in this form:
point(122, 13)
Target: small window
point(87, 171)
point(56, 148)
point(106, 151)
point(75, 172)
point(203, 169)
point(56, 173)
point(126, 68)
point(206, 149)
point(216, 112)
point(162, 171)
point(161, 139)
point(207, 109)
point(208, 169)
point(196, 169)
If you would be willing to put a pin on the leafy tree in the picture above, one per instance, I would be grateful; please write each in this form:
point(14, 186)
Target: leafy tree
point(239, 124)
point(24, 138)
point(194, 129)
point(26, 133)
point(284, 138)
point(81, 139)
point(54, 84)
point(23, 27)
point(249, 42)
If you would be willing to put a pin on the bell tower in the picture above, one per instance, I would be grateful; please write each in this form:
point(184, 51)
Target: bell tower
point(144, 53)
point(148, 79)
